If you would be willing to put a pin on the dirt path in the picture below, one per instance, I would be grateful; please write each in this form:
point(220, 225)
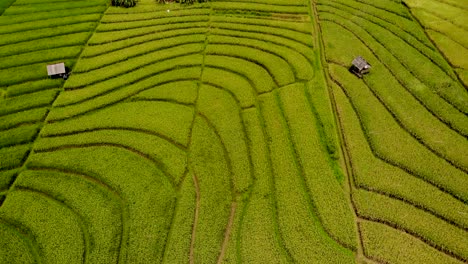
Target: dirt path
point(195, 221)
point(227, 233)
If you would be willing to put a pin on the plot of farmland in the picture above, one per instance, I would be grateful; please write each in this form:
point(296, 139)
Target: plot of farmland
point(232, 132)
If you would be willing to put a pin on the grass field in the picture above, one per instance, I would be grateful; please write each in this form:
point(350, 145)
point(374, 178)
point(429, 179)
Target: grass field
point(231, 131)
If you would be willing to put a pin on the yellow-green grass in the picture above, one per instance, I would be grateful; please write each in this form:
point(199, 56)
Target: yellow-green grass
point(223, 112)
point(58, 231)
point(147, 193)
point(293, 31)
point(277, 67)
point(36, 34)
point(295, 211)
point(407, 153)
point(13, 157)
point(18, 8)
point(180, 235)
point(24, 117)
point(393, 7)
point(337, 39)
point(453, 14)
point(18, 135)
point(100, 49)
point(435, 23)
point(259, 237)
point(134, 53)
point(267, 24)
point(257, 75)
point(213, 181)
point(138, 67)
point(320, 103)
point(118, 18)
point(27, 101)
point(111, 36)
point(410, 32)
point(397, 22)
point(158, 116)
point(233, 83)
point(6, 179)
point(30, 87)
point(184, 92)
point(270, 38)
point(383, 243)
point(373, 174)
point(463, 75)
point(432, 230)
point(456, 53)
point(117, 95)
point(49, 55)
point(420, 66)
point(170, 157)
point(299, 64)
point(5, 4)
point(21, 18)
point(151, 22)
point(13, 246)
point(43, 44)
point(332, 208)
point(149, 7)
point(48, 23)
point(273, 2)
point(227, 5)
point(101, 213)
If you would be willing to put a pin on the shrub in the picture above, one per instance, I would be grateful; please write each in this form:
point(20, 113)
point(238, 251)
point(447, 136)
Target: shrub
point(124, 3)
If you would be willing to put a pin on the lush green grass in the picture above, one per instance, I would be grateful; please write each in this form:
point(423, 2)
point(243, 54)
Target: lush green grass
point(293, 199)
point(438, 232)
point(232, 132)
point(380, 241)
point(13, 247)
point(101, 211)
point(148, 198)
point(27, 101)
point(56, 228)
point(210, 167)
point(316, 167)
point(224, 114)
point(392, 181)
point(259, 235)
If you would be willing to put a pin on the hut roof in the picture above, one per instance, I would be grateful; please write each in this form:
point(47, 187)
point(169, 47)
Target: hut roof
point(54, 69)
point(360, 63)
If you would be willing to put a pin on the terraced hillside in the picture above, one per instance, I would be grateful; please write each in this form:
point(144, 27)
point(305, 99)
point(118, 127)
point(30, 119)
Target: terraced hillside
point(229, 132)
point(446, 23)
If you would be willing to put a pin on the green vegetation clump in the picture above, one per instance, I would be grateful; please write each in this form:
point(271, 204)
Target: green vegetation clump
point(124, 3)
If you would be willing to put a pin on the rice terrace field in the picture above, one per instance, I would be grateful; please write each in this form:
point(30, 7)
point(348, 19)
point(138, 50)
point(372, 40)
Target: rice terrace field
point(231, 131)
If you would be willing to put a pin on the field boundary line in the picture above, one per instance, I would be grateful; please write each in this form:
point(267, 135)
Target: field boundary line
point(415, 18)
point(26, 236)
point(393, 163)
point(398, 79)
point(86, 236)
point(50, 106)
point(195, 220)
point(348, 173)
point(124, 214)
point(227, 232)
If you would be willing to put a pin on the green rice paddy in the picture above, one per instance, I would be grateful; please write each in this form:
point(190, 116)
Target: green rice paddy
point(231, 131)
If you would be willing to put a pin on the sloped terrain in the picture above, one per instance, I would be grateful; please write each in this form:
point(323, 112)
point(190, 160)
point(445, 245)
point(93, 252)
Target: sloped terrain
point(231, 132)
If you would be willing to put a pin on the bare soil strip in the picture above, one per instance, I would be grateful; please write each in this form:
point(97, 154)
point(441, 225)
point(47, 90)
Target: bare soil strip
point(227, 233)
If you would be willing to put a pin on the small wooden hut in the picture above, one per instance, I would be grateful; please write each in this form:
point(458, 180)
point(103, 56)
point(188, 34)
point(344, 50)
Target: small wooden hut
point(57, 70)
point(359, 66)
